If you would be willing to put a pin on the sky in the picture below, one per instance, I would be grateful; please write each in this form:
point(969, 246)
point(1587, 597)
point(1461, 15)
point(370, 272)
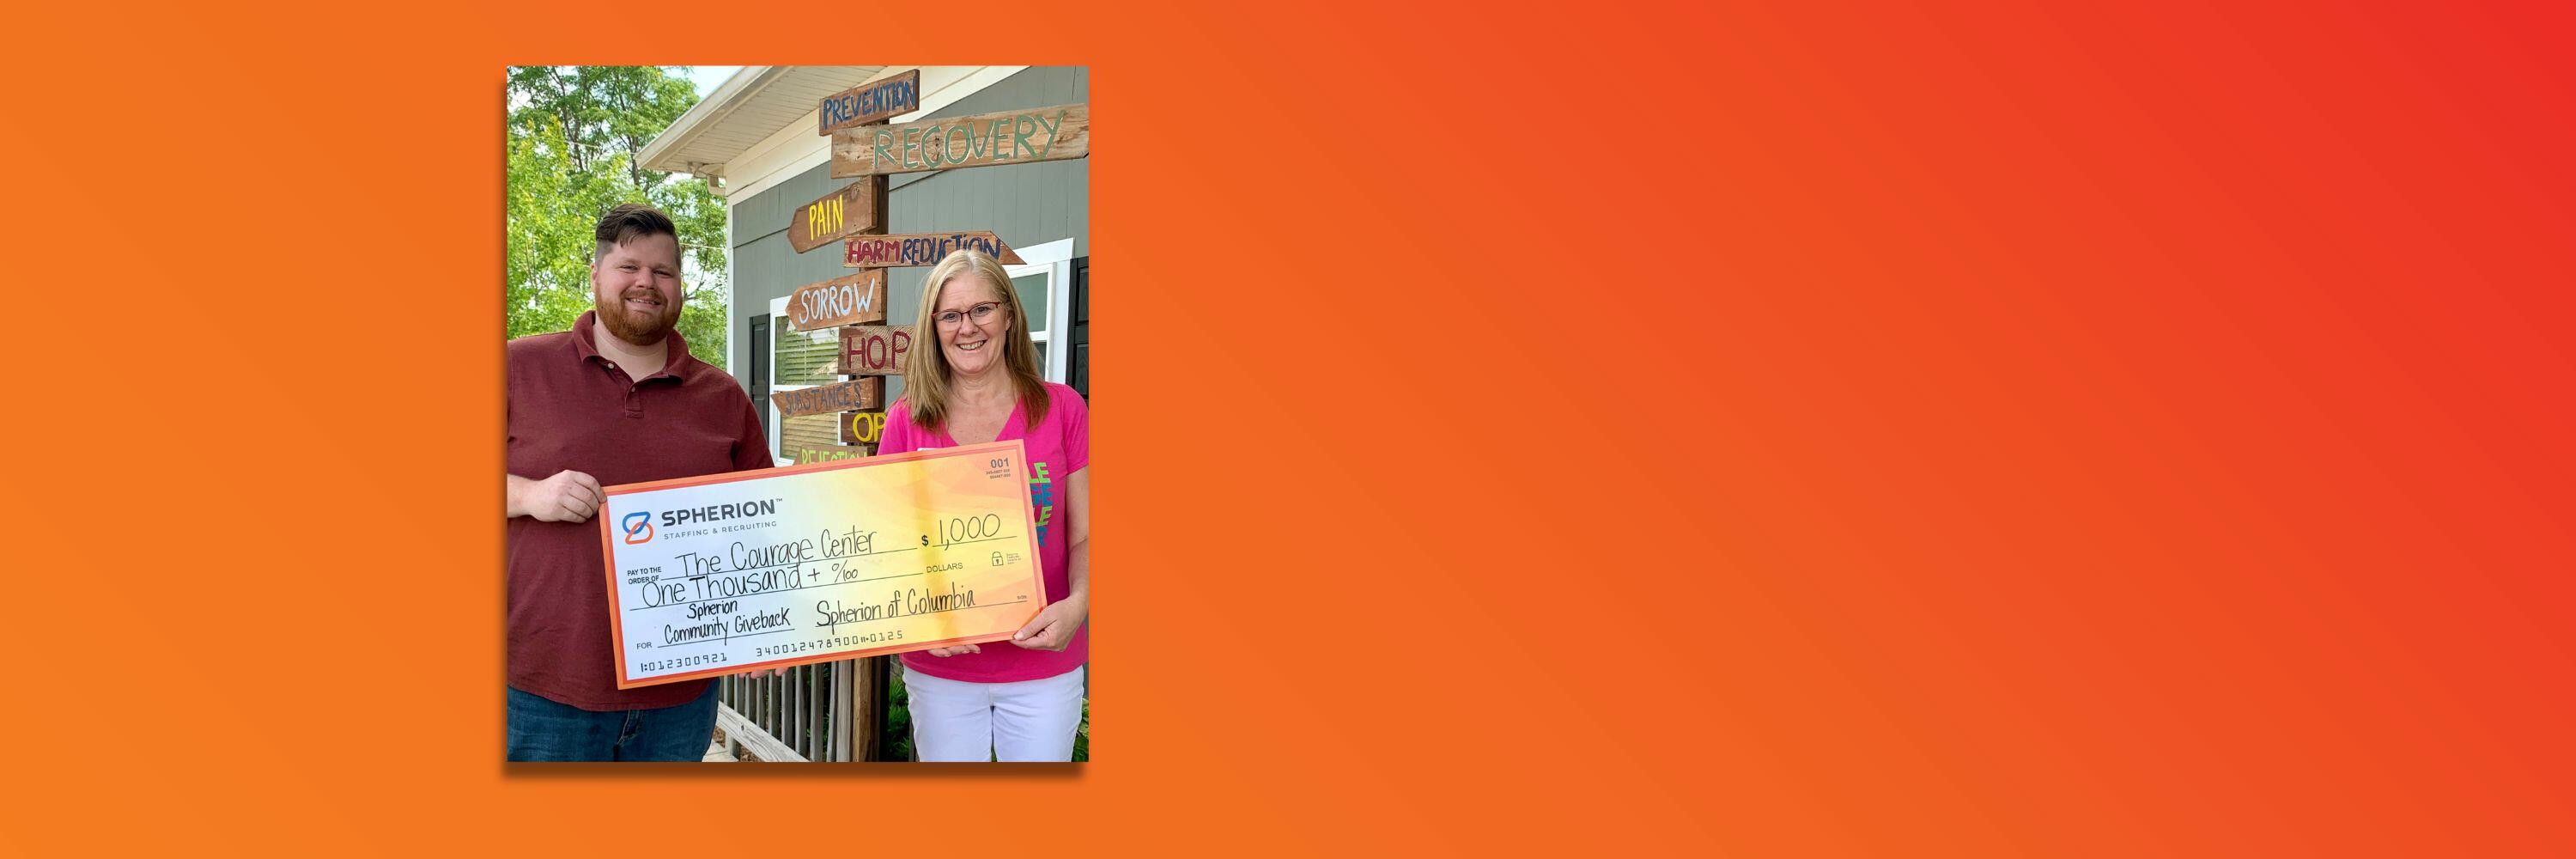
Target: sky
point(708, 77)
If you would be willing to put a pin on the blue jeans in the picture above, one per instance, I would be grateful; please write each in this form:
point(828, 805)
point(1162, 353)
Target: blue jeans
point(543, 730)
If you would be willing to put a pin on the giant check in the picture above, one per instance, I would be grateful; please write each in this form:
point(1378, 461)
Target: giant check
point(808, 563)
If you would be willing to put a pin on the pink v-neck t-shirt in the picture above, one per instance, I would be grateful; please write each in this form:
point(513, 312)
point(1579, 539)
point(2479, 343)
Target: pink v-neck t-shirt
point(1057, 447)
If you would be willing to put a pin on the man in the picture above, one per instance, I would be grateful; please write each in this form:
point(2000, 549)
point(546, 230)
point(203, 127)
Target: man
point(615, 400)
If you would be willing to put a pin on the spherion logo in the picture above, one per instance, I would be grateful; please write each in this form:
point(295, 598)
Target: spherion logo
point(639, 528)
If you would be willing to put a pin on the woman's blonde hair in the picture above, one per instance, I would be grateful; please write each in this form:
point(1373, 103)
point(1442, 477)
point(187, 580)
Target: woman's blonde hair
point(925, 368)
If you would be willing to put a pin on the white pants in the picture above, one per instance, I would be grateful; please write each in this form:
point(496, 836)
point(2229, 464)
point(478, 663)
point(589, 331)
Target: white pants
point(1030, 720)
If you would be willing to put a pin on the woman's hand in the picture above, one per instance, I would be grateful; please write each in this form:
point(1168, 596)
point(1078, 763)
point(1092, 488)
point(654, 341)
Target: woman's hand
point(1054, 626)
point(953, 651)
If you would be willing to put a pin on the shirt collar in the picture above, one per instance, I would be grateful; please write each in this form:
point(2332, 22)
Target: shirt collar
point(585, 346)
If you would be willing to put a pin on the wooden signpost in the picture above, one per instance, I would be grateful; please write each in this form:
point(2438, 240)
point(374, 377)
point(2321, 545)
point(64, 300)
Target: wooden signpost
point(1007, 137)
point(868, 393)
point(871, 101)
point(863, 428)
point(922, 248)
point(875, 350)
point(849, 211)
point(851, 300)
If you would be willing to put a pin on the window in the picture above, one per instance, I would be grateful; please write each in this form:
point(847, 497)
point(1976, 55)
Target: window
point(1042, 284)
point(799, 360)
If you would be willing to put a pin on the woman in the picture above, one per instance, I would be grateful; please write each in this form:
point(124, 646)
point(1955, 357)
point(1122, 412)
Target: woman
point(1018, 700)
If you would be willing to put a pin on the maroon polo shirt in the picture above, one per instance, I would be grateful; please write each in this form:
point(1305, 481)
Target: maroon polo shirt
point(571, 409)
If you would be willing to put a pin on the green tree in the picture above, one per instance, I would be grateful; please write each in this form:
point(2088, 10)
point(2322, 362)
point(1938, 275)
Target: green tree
point(575, 137)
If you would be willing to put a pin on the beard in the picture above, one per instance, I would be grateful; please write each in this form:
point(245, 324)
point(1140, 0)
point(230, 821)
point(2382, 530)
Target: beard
point(635, 326)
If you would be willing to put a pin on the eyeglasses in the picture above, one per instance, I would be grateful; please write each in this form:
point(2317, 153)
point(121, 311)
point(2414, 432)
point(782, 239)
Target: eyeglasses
point(981, 312)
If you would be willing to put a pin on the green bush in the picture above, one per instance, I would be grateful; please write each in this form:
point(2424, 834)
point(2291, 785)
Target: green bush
point(898, 723)
point(1082, 735)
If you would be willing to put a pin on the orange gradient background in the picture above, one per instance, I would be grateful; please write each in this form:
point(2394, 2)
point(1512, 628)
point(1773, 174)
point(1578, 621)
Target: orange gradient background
point(1816, 429)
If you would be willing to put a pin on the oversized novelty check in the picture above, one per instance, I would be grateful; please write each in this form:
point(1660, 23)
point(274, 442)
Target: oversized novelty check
point(809, 563)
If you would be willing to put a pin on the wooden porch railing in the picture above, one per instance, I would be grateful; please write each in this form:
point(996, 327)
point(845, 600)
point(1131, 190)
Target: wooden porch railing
point(832, 711)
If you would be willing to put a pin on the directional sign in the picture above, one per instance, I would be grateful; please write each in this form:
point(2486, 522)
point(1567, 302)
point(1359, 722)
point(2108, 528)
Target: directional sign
point(871, 101)
point(875, 350)
point(831, 452)
point(921, 249)
point(982, 140)
point(836, 397)
point(847, 300)
point(863, 428)
point(853, 209)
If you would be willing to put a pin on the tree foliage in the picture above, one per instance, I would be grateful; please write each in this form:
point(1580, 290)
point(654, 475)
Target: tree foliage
point(575, 137)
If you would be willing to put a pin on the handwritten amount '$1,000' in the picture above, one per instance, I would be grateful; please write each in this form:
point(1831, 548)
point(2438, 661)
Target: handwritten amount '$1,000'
point(971, 529)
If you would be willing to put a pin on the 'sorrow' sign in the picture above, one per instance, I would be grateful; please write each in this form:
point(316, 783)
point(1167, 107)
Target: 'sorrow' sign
point(922, 249)
point(836, 397)
point(875, 350)
point(847, 300)
point(853, 209)
point(1007, 137)
point(871, 101)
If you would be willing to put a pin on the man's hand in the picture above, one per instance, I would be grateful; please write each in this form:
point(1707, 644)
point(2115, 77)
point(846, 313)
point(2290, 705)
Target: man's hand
point(1054, 626)
point(569, 496)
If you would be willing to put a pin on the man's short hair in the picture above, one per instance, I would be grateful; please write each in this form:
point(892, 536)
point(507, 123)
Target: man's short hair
point(628, 222)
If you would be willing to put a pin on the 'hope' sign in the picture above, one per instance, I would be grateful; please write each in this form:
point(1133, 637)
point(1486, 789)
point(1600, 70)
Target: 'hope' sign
point(875, 350)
